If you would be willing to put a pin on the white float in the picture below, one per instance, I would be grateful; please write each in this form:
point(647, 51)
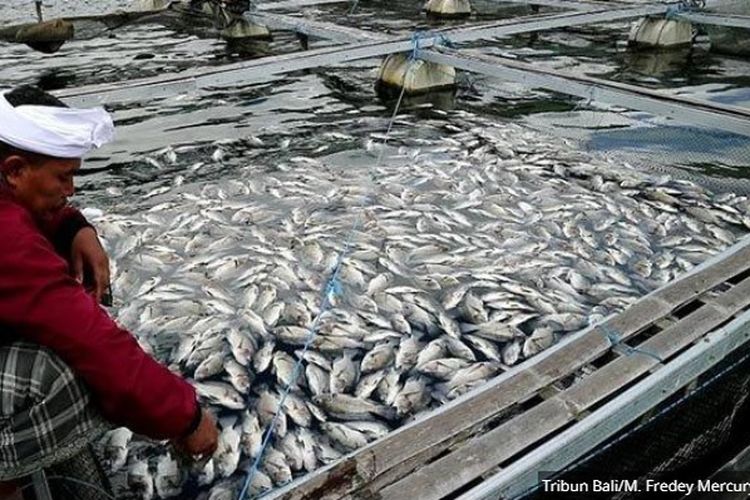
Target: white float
point(448, 8)
point(399, 71)
point(651, 32)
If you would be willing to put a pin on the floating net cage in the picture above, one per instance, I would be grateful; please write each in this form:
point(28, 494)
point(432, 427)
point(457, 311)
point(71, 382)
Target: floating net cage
point(466, 219)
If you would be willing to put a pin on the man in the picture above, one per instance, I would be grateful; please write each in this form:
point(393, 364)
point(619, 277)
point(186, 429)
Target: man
point(57, 344)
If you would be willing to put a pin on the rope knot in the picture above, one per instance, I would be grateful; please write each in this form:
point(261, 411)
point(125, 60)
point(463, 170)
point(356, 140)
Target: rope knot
point(435, 38)
point(334, 288)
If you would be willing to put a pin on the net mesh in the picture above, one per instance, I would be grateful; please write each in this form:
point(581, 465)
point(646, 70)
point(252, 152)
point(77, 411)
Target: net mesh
point(79, 478)
point(685, 438)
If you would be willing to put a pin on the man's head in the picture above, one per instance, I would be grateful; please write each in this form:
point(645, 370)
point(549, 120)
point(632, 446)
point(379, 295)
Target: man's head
point(40, 182)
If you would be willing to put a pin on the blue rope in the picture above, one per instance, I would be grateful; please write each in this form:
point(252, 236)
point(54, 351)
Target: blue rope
point(331, 289)
point(435, 38)
point(674, 11)
point(615, 339)
point(682, 7)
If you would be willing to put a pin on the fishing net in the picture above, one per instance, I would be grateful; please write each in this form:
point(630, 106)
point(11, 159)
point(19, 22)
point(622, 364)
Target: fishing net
point(685, 438)
point(80, 477)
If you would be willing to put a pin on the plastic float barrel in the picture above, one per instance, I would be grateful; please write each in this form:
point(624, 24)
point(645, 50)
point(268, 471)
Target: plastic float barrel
point(414, 76)
point(448, 8)
point(652, 32)
point(46, 36)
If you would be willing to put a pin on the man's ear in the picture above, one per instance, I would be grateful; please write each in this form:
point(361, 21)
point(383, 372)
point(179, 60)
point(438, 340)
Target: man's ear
point(13, 167)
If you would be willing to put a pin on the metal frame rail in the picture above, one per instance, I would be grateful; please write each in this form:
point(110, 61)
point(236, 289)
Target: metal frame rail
point(733, 21)
point(553, 408)
point(261, 69)
point(729, 118)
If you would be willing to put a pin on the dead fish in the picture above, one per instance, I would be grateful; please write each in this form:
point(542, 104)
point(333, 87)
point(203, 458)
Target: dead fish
point(210, 366)
point(267, 406)
point(407, 353)
point(251, 434)
point(317, 379)
point(227, 455)
point(237, 375)
point(263, 357)
point(344, 373)
point(139, 479)
point(276, 466)
point(352, 408)
point(344, 435)
point(368, 384)
point(377, 358)
point(242, 347)
point(442, 368)
point(168, 477)
point(412, 397)
point(220, 393)
point(116, 448)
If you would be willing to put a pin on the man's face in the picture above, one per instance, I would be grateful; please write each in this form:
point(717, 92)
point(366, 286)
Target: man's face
point(41, 184)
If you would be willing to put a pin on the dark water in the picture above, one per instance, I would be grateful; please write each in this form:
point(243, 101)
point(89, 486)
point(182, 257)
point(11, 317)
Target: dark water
point(301, 107)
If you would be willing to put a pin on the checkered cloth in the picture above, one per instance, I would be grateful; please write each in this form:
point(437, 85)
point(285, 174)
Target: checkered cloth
point(46, 415)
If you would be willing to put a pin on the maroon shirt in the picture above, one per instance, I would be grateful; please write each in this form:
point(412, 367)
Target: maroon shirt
point(41, 302)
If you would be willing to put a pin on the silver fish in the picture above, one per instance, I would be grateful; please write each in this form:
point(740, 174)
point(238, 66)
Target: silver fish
point(220, 393)
point(139, 479)
point(344, 373)
point(168, 477)
point(352, 408)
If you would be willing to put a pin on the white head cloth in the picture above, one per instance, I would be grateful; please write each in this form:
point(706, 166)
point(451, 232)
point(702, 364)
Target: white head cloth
point(53, 131)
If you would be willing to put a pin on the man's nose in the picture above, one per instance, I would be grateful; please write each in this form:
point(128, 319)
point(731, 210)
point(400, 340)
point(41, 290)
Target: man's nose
point(69, 188)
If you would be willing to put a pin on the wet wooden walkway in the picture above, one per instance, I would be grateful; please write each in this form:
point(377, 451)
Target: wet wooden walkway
point(552, 409)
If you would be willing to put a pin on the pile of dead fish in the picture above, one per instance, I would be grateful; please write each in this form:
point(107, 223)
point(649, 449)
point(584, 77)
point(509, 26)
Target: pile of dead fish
point(464, 258)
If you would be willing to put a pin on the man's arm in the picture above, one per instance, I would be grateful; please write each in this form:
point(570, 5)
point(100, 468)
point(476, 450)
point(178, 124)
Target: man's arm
point(76, 240)
point(40, 301)
point(63, 227)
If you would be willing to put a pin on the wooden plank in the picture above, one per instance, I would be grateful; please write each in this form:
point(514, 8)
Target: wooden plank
point(724, 269)
point(405, 443)
point(370, 462)
point(475, 458)
point(392, 475)
point(579, 439)
point(665, 344)
point(447, 474)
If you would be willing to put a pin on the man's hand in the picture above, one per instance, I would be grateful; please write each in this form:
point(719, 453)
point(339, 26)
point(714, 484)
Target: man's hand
point(203, 440)
point(87, 252)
